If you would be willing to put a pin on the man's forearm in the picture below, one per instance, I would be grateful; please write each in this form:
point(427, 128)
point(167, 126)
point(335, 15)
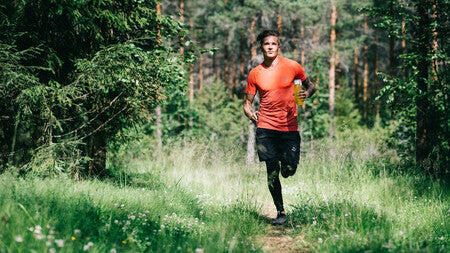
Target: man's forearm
point(248, 110)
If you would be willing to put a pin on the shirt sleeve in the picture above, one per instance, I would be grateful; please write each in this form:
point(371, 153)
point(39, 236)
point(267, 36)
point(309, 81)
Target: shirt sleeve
point(299, 72)
point(251, 84)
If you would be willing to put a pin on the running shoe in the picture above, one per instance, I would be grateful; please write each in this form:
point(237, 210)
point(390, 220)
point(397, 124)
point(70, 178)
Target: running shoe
point(280, 220)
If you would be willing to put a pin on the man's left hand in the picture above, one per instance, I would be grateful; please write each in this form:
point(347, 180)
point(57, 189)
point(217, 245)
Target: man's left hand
point(303, 94)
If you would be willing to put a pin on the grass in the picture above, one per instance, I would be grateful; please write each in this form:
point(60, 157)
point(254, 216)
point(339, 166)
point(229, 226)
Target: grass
point(346, 197)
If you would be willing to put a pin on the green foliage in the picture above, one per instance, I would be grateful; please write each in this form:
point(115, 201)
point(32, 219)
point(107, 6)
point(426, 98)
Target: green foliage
point(219, 118)
point(74, 73)
point(419, 98)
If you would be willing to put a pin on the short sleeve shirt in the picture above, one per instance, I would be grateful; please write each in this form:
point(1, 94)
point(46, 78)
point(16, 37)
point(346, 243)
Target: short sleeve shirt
point(278, 110)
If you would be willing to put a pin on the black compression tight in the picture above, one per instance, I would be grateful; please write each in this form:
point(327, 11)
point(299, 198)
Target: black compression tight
point(273, 179)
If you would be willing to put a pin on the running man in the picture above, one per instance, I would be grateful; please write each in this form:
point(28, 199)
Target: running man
point(277, 134)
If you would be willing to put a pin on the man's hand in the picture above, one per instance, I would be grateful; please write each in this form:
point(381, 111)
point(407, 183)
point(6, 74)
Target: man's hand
point(254, 117)
point(303, 94)
point(248, 108)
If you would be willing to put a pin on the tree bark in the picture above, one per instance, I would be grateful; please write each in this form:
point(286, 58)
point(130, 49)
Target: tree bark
point(158, 133)
point(391, 49)
point(181, 10)
point(200, 73)
point(280, 22)
point(232, 77)
point(97, 151)
point(241, 58)
point(332, 73)
point(191, 70)
point(295, 39)
point(253, 39)
point(302, 50)
point(376, 81)
point(355, 80)
point(158, 111)
point(422, 102)
point(226, 64)
point(403, 30)
point(251, 141)
point(365, 73)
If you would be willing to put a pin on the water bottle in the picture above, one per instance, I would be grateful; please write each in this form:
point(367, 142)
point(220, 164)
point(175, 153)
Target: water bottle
point(297, 88)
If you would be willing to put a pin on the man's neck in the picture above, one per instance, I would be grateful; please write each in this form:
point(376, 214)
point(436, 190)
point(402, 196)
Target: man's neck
point(270, 63)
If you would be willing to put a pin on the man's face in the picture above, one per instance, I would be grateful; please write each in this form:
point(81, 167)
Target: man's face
point(270, 47)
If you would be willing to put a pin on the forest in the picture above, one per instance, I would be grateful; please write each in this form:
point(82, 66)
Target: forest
point(123, 130)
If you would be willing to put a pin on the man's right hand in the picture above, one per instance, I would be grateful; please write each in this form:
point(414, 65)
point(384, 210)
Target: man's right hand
point(254, 117)
point(248, 108)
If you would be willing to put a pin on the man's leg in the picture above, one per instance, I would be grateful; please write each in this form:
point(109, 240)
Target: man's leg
point(273, 179)
point(290, 153)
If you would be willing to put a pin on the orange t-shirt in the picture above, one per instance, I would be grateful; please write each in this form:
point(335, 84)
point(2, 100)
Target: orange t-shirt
point(278, 110)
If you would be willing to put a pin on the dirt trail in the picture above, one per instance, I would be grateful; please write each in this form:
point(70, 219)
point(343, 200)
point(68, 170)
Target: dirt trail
point(278, 238)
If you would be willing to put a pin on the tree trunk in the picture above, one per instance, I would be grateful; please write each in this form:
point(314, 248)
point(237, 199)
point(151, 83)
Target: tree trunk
point(97, 151)
point(200, 73)
point(226, 64)
point(181, 10)
point(376, 82)
point(391, 49)
point(191, 70)
point(365, 73)
point(422, 102)
point(355, 80)
point(253, 42)
point(403, 30)
point(158, 26)
point(158, 111)
point(251, 141)
point(280, 22)
point(158, 136)
point(302, 51)
point(295, 39)
point(332, 73)
point(232, 76)
point(251, 154)
point(435, 44)
point(241, 58)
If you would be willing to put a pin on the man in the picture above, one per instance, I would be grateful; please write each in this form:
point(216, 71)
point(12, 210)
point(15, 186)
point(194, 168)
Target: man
point(277, 136)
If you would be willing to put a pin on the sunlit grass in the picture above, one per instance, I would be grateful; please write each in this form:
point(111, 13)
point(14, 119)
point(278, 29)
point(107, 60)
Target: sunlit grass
point(197, 196)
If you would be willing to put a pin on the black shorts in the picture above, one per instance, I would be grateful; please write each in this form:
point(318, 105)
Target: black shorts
point(284, 145)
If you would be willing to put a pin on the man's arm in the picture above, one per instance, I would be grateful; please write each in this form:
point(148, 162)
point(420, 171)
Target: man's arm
point(248, 108)
point(308, 89)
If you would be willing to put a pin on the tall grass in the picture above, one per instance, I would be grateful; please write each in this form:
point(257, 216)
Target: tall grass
point(65, 215)
point(347, 196)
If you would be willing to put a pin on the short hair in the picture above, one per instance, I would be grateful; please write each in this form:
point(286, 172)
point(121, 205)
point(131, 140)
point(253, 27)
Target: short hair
point(267, 33)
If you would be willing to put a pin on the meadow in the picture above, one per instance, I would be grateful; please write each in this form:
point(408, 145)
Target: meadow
point(349, 195)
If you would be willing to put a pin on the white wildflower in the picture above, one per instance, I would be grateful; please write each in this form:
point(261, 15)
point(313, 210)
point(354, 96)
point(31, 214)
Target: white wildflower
point(59, 243)
point(18, 238)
